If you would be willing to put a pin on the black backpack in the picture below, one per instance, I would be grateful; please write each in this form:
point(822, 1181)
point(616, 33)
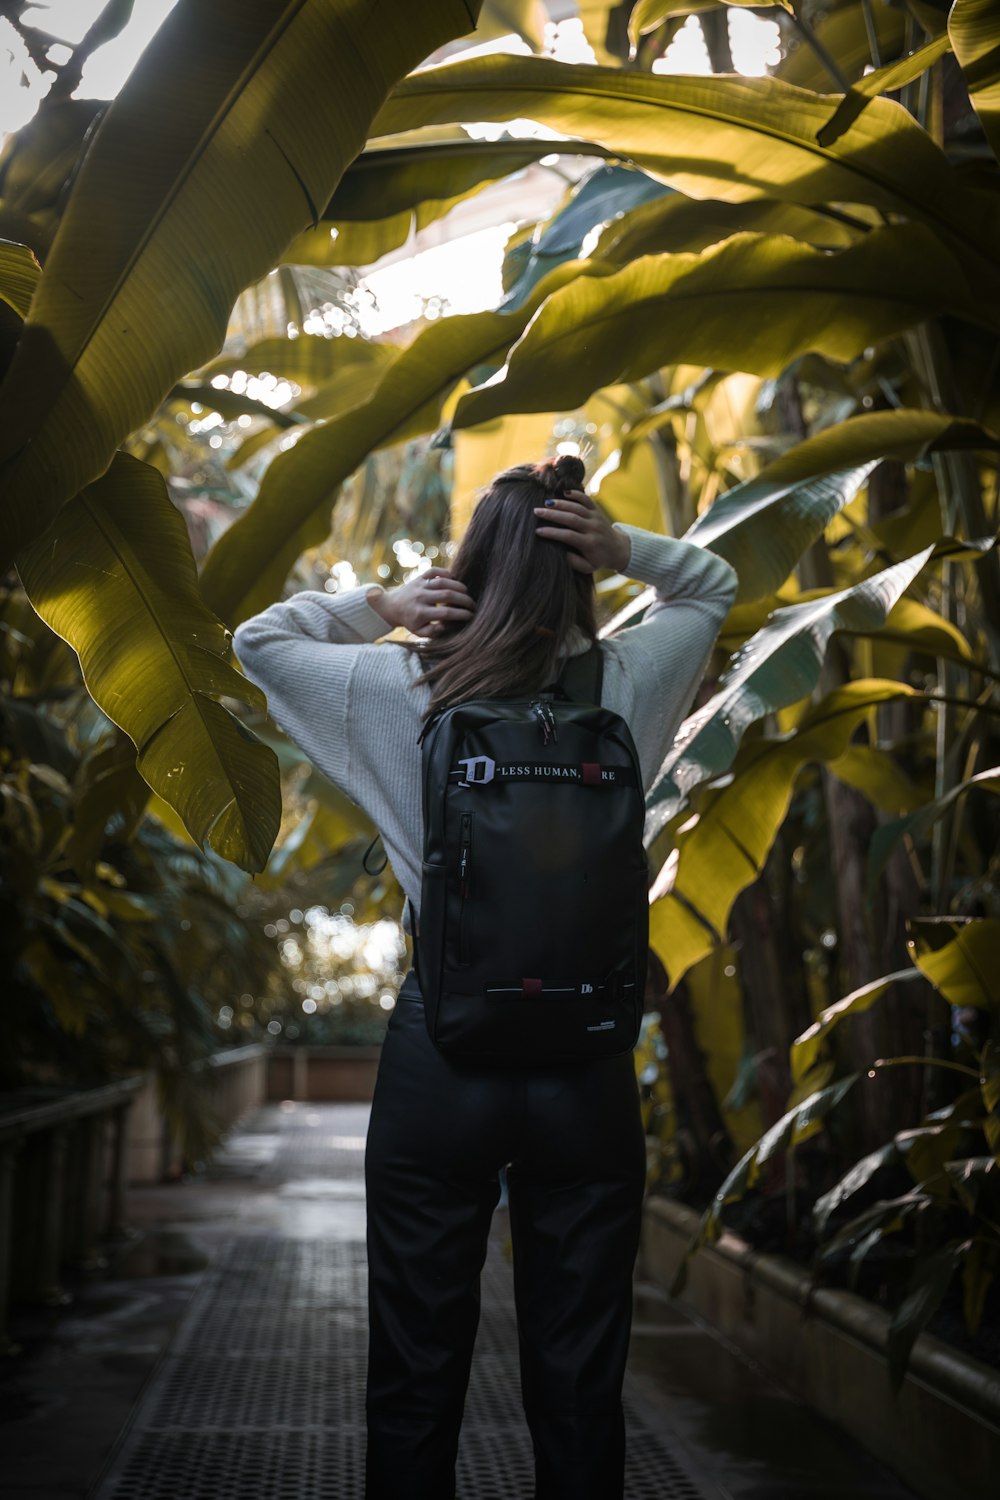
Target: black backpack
point(534, 919)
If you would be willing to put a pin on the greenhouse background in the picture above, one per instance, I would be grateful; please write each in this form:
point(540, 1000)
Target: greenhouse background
point(282, 285)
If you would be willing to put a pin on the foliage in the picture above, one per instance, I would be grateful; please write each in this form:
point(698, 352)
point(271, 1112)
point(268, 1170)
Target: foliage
point(765, 308)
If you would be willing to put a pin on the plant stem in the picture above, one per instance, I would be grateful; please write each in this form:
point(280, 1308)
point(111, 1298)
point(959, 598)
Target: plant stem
point(925, 1062)
point(873, 47)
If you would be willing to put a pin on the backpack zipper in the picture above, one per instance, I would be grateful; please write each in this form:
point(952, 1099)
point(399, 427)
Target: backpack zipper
point(546, 719)
point(464, 882)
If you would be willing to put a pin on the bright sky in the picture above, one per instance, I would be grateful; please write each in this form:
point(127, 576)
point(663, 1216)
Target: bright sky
point(468, 268)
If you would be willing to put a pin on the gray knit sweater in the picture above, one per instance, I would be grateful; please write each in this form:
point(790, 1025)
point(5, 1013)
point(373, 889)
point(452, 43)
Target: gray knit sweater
point(355, 709)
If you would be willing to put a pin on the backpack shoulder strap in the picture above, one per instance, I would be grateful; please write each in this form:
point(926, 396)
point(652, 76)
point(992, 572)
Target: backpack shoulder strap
point(582, 676)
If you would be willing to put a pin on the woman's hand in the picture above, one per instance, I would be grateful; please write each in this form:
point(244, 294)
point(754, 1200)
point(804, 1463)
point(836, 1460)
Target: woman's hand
point(575, 520)
point(427, 605)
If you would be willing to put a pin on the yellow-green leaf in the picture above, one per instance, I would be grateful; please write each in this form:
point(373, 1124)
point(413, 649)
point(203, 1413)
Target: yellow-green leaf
point(806, 1049)
point(882, 81)
point(719, 137)
point(649, 15)
point(394, 190)
point(752, 303)
point(673, 223)
point(959, 956)
point(114, 576)
point(19, 273)
point(974, 28)
point(777, 666)
point(248, 564)
point(724, 847)
point(227, 139)
point(762, 527)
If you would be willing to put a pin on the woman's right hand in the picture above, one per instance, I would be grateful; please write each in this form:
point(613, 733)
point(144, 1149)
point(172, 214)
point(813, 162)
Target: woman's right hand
point(428, 605)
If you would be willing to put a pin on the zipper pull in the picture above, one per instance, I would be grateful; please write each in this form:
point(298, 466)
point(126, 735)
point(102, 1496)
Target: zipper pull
point(543, 713)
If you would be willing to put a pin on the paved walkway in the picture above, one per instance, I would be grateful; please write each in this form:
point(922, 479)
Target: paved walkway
point(222, 1358)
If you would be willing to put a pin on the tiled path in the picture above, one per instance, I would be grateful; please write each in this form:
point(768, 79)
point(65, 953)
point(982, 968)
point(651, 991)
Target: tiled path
point(236, 1322)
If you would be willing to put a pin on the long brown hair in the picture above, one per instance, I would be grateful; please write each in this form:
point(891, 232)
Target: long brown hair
point(527, 595)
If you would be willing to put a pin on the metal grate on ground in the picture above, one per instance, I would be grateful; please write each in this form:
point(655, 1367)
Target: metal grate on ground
point(261, 1393)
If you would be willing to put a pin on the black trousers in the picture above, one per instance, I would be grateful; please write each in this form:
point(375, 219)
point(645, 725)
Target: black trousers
point(573, 1145)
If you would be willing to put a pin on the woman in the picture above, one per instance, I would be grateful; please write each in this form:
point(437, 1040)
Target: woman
point(518, 599)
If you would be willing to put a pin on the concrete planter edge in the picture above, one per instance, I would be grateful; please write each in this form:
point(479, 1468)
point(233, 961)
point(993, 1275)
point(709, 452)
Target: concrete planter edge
point(940, 1433)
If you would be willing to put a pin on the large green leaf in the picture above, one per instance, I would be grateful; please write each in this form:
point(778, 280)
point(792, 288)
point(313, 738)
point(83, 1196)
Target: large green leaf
point(842, 31)
point(917, 825)
point(719, 137)
point(393, 190)
point(927, 1289)
point(525, 18)
point(752, 303)
point(782, 1134)
point(806, 1048)
point(248, 564)
point(237, 122)
point(674, 223)
point(882, 81)
point(778, 665)
point(762, 527)
point(724, 848)
point(308, 359)
point(603, 196)
point(353, 383)
point(114, 576)
point(974, 28)
point(19, 273)
point(959, 957)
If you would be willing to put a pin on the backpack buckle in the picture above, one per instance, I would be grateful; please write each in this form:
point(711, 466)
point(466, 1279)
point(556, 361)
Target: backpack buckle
point(472, 764)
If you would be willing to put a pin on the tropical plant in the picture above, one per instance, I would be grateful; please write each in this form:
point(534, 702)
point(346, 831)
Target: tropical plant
point(767, 308)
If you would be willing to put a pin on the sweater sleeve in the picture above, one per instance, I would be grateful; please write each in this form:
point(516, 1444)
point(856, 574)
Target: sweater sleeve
point(662, 660)
point(303, 653)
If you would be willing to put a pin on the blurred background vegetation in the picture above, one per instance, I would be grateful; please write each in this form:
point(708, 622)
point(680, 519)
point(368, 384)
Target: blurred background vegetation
point(263, 331)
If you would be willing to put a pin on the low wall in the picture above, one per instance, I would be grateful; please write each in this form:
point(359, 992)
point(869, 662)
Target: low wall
point(323, 1074)
point(235, 1080)
point(940, 1433)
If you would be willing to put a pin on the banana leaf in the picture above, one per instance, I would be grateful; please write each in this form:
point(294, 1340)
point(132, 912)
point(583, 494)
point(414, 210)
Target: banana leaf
point(974, 28)
point(959, 957)
point(391, 191)
point(309, 359)
point(352, 385)
point(237, 122)
point(723, 849)
point(926, 1292)
point(114, 576)
point(842, 31)
point(248, 564)
point(989, 1085)
point(751, 303)
point(19, 273)
point(806, 1049)
point(762, 527)
point(649, 15)
point(777, 666)
point(882, 81)
point(674, 223)
point(600, 198)
point(785, 1132)
point(719, 137)
point(917, 825)
point(525, 18)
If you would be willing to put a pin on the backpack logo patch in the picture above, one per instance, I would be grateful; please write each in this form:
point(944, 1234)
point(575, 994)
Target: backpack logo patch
point(479, 769)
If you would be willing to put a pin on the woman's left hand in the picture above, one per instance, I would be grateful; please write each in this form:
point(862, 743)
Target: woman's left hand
point(575, 520)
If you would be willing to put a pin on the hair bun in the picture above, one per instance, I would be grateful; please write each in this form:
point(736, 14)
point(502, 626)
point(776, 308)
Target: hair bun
point(560, 474)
